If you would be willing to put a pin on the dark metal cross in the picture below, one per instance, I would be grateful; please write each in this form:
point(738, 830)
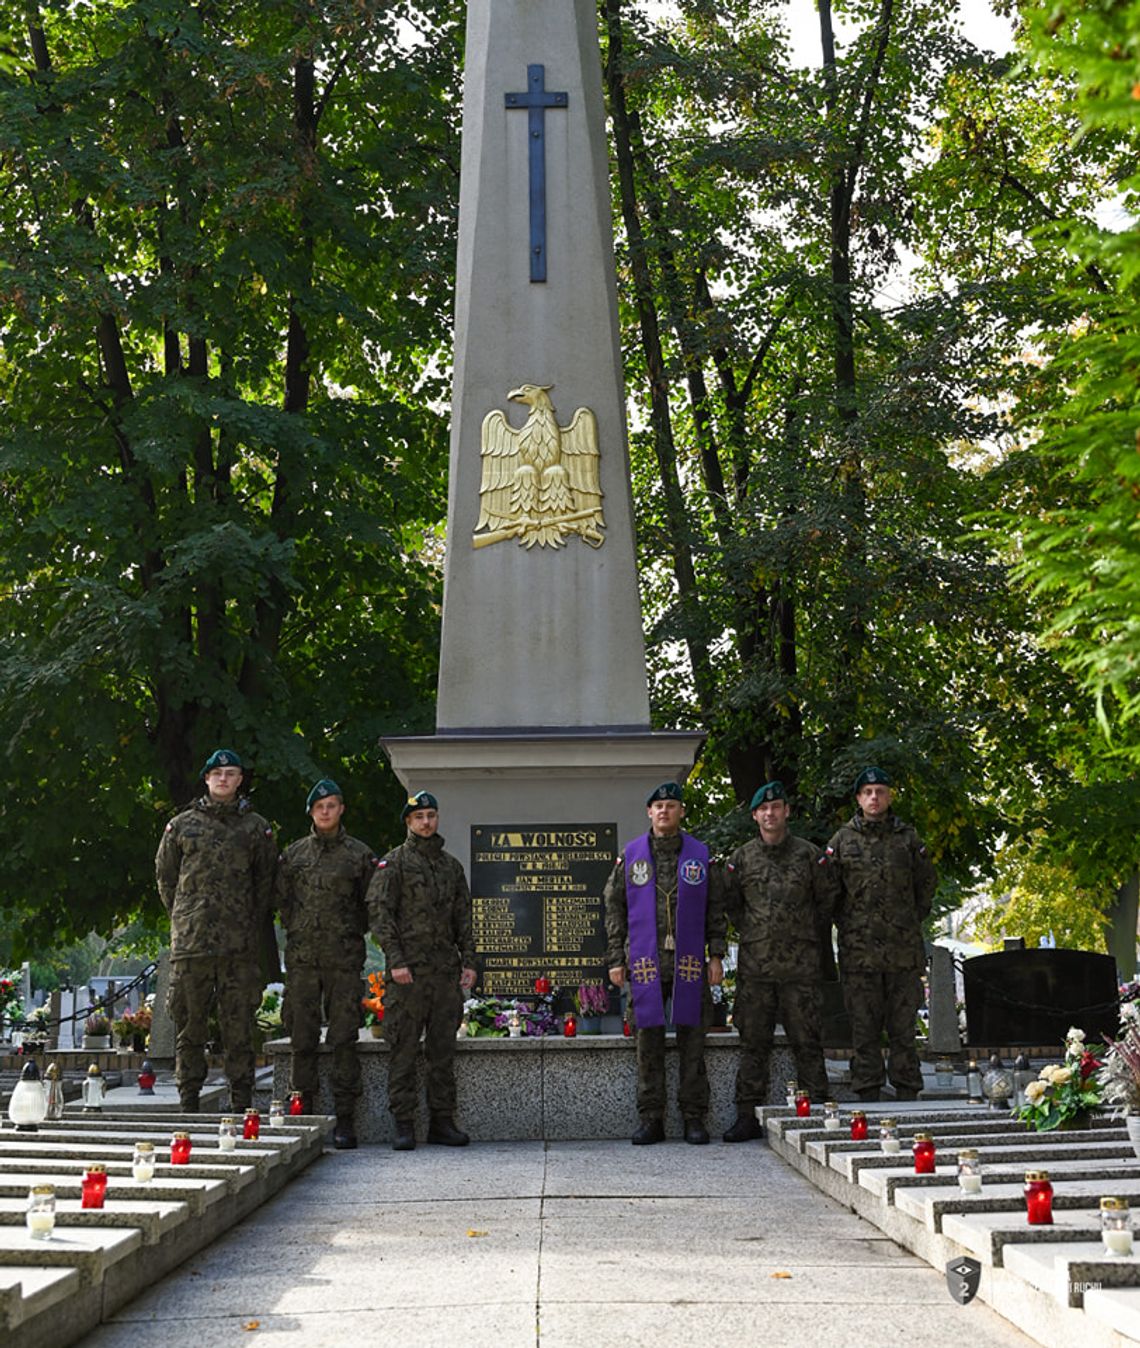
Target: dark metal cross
point(536, 100)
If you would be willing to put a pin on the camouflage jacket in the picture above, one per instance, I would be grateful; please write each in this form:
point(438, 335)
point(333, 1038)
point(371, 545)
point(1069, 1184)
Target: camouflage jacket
point(215, 869)
point(780, 900)
point(321, 888)
point(886, 884)
point(419, 908)
point(666, 853)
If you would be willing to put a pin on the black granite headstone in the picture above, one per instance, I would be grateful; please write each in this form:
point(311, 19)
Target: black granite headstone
point(1032, 997)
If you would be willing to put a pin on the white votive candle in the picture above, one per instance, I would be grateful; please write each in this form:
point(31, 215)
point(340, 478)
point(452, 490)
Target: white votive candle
point(41, 1224)
point(970, 1184)
point(1117, 1242)
point(143, 1171)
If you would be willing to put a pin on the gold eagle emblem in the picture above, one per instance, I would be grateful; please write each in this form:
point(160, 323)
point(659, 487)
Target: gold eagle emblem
point(540, 482)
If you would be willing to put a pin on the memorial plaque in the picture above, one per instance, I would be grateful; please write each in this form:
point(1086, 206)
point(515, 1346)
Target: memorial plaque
point(536, 894)
point(1031, 997)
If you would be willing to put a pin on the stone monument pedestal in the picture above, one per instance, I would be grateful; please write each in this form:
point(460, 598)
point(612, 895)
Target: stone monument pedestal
point(537, 777)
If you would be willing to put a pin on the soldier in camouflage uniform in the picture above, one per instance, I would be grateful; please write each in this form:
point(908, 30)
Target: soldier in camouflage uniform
point(665, 808)
point(780, 898)
point(886, 886)
point(215, 870)
point(322, 882)
point(420, 910)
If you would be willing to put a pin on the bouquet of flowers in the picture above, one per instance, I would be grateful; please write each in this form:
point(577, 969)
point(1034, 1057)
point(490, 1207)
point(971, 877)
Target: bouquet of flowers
point(592, 999)
point(373, 1004)
point(1063, 1091)
point(11, 1004)
point(1120, 1074)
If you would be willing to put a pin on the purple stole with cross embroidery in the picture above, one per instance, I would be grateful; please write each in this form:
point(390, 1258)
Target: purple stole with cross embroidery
point(689, 956)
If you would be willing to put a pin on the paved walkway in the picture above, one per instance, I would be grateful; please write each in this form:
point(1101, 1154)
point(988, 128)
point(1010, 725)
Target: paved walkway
point(567, 1244)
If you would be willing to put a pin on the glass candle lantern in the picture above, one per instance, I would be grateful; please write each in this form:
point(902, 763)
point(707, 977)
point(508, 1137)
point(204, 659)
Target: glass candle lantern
point(791, 1090)
point(227, 1134)
point(803, 1105)
point(969, 1172)
point(93, 1090)
point(973, 1083)
point(28, 1106)
point(1116, 1226)
point(142, 1162)
point(276, 1114)
point(146, 1078)
point(40, 1215)
point(93, 1187)
point(831, 1114)
point(296, 1105)
point(180, 1149)
point(889, 1137)
point(251, 1129)
point(53, 1086)
point(1038, 1198)
point(569, 1025)
point(858, 1125)
point(923, 1154)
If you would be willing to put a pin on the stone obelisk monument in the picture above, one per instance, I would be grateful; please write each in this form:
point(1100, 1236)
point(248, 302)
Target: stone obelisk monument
point(543, 711)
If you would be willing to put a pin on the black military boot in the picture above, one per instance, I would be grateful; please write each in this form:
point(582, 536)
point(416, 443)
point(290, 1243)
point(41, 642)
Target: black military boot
point(745, 1129)
point(405, 1139)
point(651, 1130)
point(696, 1134)
point(344, 1134)
point(443, 1132)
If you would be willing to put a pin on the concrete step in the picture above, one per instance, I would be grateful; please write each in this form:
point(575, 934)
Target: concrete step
point(1056, 1283)
point(56, 1290)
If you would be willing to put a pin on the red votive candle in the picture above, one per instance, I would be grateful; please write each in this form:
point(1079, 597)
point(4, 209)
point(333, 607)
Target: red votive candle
point(627, 1029)
point(858, 1126)
point(570, 1026)
point(296, 1104)
point(251, 1129)
point(93, 1187)
point(180, 1149)
point(542, 986)
point(803, 1105)
point(1038, 1198)
point(923, 1154)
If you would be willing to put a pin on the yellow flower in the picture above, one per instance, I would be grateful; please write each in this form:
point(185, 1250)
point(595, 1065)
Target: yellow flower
point(1061, 1075)
point(1034, 1091)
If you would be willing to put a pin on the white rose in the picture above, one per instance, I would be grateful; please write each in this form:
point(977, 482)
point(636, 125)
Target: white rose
point(1061, 1075)
point(1075, 1033)
point(1034, 1091)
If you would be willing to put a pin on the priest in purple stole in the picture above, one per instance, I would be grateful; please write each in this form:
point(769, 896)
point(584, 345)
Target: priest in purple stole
point(665, 931)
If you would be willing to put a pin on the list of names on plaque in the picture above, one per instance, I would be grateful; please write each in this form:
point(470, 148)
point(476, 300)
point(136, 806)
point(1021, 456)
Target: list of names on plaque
point(536, 892)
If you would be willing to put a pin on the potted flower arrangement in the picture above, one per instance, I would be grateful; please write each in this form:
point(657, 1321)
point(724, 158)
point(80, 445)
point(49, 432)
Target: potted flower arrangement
point(592, 1001)
point(1065, 1095)
point(373, 1005)
point(96, 1031)
point(1120, 1075)
point(11, 1006)
point(132, 1028)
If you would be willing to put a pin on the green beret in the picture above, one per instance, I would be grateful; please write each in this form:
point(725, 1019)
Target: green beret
point(325, 787)
point(422, 800)
point(666, 791)
point(871, 777)
point(222, 758)
point(769, 791)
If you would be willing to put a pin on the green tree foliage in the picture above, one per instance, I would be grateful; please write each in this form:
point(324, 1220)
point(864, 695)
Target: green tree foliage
point(226, 241)
point(814, 428)
point(1078, 547)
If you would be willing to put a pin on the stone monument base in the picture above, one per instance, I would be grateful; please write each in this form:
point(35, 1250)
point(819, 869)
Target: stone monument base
point(548, 1089)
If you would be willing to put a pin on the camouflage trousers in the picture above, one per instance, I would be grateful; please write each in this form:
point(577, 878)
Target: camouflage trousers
point(799, 1006)
point(196, 984)
point(341, 990)
point(693, 1086)
point(877, 1002)
point(432, 1006)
